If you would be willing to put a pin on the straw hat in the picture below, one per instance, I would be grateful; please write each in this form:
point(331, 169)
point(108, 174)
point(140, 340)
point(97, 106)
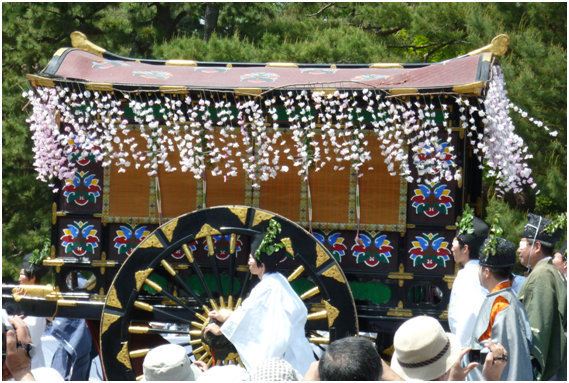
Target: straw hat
point(423, 351)
point(169, 362)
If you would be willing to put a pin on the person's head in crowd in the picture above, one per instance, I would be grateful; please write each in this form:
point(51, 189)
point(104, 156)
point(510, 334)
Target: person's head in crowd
point(30, 273)
point(229, 373)
point(469, 238)
point(275, 370)
point(352, 358)
point(267, 251)
point(560, 259)
point(496, 262)
point(423, 351)
point(169, 362)
point(537, 242)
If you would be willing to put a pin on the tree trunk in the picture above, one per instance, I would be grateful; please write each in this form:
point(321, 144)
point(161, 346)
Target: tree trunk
point(210, 18)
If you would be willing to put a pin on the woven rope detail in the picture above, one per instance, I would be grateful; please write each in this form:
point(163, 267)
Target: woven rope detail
point(427, 362)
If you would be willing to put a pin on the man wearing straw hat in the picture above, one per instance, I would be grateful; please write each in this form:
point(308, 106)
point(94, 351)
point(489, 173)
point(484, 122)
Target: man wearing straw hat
point(423, 351)
point(502, 317)
point(544, 295)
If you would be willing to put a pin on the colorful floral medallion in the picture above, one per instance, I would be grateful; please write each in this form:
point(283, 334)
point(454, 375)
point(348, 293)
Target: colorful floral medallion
point(439, 150)
point(211, 69)
point(260, 77)
point(80, 239)
point(318, 71)
point(128, 237)
point(153, 74)
point(372, 249)
point(333, 242)
point(179, 254)
point(74, 154)
point(432, 199)
point(221, 244)
point(430, 250)
point(82, 189)
point(367, 77)
point(106, 64)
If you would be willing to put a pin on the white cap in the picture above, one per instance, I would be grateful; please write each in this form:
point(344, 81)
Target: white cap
point(169, 362)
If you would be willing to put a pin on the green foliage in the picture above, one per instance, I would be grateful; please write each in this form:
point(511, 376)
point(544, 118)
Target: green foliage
point(495, 233)
point(535, 69)
point(465, 224)
point(269, 244)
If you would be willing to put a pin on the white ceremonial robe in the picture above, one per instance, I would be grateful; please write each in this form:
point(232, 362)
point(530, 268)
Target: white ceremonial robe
point(466, 298)
point(270, 323)
point(36, 325)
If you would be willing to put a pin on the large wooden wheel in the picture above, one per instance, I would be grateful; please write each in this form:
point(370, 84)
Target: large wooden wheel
point(135, 298)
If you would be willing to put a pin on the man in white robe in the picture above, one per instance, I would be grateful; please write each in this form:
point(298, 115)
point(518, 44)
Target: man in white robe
point(270, 322)
point(467, 295)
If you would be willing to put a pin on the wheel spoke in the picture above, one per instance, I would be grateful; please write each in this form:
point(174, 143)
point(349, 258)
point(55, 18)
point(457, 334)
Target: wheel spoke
point(164, 293)
point(310, 293)
point(180, 282)
point(245, 285)
point(211, 251)
point(198, 272)
point(150, 308)
point(296, 273)
point(150, 330)
point(232, 246)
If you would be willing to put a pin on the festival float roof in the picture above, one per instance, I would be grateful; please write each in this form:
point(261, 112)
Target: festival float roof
point(98, 69)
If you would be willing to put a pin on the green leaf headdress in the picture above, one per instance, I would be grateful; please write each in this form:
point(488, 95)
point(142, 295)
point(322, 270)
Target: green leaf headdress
point(559, 223)
point(465, 224)
point(270, 244)
point(490, 248)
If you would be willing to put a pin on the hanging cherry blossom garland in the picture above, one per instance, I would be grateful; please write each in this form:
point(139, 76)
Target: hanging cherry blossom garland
point(503, 151)
point(94, 123)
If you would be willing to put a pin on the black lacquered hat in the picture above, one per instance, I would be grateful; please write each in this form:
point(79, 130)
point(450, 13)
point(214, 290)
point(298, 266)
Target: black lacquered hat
point(472, 231)
point(274, 259)
point(266, 247)
point(535, 229)
point(37, 269)
point(504, 254)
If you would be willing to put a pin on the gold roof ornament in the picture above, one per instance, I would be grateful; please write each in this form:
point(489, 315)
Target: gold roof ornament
point(80, 41)
point(498, 46)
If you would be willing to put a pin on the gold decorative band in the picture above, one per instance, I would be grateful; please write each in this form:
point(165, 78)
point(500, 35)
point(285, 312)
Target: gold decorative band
point(310, 293)
point(153, 285)
point(296, 273)
point(138, 329)
point(168, 267)
point(317, 315)
point(188, 253)
point(143, 306)
point(139, 353)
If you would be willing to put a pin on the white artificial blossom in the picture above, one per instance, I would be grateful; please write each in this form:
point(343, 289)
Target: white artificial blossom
point(327, 128)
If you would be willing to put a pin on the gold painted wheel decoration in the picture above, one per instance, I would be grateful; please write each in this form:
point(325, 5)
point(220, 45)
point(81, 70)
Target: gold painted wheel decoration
point(150, 287)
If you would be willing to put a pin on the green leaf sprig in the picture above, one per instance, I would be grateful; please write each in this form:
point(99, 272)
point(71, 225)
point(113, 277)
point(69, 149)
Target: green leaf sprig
point(38, 256)
point(269, 244)
point(465, 224)
point(495, 233)
point(560, 222)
